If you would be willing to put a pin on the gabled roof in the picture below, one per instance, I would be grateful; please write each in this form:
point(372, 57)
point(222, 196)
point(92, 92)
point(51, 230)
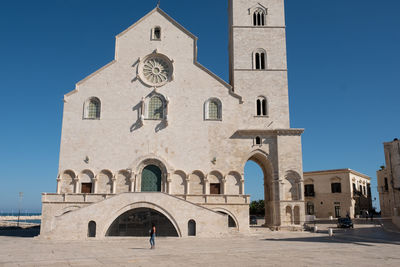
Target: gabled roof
point(183, 29)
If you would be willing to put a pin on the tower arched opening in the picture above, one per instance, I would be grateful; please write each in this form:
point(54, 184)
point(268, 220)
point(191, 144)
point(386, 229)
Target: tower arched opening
point(258, 177)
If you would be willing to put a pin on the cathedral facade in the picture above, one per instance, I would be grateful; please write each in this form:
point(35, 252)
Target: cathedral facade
point(154, 137)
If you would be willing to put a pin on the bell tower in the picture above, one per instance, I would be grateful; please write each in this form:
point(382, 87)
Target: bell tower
point(258, 66)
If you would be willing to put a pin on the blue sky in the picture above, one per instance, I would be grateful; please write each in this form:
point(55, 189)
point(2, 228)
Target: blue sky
point(343, 78)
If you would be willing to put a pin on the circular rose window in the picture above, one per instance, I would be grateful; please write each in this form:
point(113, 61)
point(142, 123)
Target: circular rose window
point(155, 70)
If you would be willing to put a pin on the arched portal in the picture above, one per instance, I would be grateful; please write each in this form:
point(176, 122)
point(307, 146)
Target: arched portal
point(266, 180)
point(138, 222)
point(231, 221)
point(151, 179)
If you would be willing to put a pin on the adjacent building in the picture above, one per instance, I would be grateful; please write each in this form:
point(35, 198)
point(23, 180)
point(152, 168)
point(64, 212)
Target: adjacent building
point(389, 181)
point(155, 137)
point(337, 193)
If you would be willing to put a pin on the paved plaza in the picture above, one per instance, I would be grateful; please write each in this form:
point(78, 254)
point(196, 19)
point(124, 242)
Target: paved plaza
point(366, 245)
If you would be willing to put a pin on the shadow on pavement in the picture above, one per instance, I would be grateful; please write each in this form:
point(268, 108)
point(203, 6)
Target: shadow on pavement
point(361, 236)
point(20, 231)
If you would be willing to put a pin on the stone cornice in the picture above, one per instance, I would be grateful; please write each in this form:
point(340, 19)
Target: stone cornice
point(277, 132)
point(337, 171)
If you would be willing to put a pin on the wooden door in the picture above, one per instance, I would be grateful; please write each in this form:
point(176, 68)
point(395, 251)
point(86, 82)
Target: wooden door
point(86, 188)
point(215, 189)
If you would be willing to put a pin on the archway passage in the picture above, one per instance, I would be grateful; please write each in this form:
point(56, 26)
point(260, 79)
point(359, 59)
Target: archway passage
point(151, 179)
point(138, 222)
point(261, 178)
point(231, 221)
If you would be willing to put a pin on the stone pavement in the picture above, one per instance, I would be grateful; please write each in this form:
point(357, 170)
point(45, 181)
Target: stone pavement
point(366, 245)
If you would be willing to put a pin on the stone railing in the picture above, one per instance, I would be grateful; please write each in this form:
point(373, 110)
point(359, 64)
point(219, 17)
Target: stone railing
point(75, 198)
point(216, 199)
point(197, 199)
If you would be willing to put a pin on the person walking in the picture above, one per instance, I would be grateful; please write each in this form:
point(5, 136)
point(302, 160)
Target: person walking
point(153, 237)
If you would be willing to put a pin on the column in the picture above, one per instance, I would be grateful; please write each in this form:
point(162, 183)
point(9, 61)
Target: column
point(187, 189)
point(132, 185)
point(95, 181)
point(242, 184)
point(58, 185)
point(114, 184)
point(223, 186)
point(169, 180)
point(206, 189)
point(76, 180)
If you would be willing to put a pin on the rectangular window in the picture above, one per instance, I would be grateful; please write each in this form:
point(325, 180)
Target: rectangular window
point(309, 190)
point(386, 184)
point(215, 189)
point(336, 187)
point(86, 188)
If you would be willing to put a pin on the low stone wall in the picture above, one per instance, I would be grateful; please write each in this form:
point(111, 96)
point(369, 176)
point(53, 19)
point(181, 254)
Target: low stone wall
point(396, 221)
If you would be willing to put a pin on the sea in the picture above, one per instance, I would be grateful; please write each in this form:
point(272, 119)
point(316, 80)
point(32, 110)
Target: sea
point(22, 214)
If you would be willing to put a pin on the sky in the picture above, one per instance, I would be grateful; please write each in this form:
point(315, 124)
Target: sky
point(343, 78)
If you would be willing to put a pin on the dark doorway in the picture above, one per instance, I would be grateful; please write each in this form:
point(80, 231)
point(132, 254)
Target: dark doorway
point(231, 221)
point(151, 179)
point(86, 188)
point(337, 211)
point(191, 228)
point(138, 222)
point(92, 229)
point(215, 189)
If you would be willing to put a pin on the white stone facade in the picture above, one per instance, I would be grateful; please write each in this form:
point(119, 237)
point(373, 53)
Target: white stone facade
point(156, 112)
point(389, 182)
point(337, 193)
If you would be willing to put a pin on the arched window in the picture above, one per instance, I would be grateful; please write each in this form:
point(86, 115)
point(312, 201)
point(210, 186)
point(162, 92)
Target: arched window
point(261, 106)
point(192, 228)
point(92, 229)
point(156, 33)
point(259, 17)
point(213, 109)
point(92, 108)
point(156, 108)
point(260, 59)
point(258, 140)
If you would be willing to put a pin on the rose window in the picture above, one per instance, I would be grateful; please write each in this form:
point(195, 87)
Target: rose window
point(156, 70)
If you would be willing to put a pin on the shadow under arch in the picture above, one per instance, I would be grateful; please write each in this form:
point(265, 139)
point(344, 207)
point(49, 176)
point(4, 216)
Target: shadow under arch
point(230, 217)
point(137, 206)
point(262, 159)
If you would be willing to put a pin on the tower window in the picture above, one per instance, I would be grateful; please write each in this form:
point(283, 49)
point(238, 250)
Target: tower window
point(156, 33)
point(259, 59)
point(92, 108)
point(259, 17)
point(261, 106)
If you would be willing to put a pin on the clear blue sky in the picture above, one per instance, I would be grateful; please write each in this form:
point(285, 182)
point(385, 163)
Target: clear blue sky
point(343, 61)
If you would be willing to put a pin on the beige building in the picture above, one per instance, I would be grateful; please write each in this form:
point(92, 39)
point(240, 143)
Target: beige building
point(337, 193)
point(155, 137)
point(389, 182)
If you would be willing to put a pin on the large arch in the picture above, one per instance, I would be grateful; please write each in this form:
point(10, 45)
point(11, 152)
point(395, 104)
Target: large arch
point(140, 205)
point(261, 158)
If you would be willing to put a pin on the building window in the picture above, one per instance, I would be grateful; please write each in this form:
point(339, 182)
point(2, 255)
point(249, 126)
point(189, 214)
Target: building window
point(310, 208)
point(261, 106)
point(258, 140)
point(156, 108)
point(386, 184)
point(92, 108)
point(213, 109)
point(368, 190)
point(259, 59)
point(156, 33)
point(259, 17)
point(336, 187)
point(309, 190)
point(215, 189)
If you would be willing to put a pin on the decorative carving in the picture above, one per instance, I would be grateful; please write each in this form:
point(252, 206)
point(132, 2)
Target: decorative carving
point(155, 70)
